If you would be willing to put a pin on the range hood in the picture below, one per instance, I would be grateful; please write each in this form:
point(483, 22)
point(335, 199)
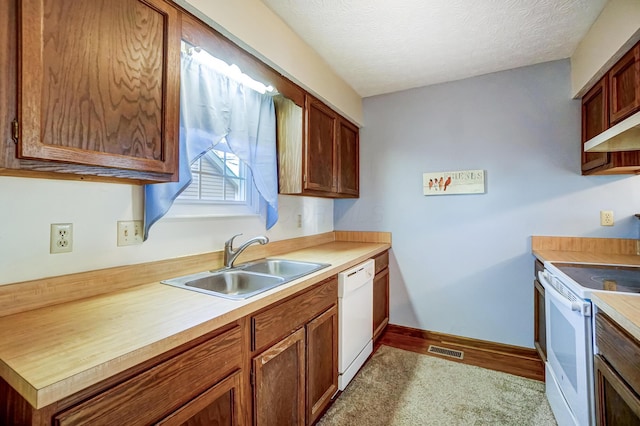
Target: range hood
point(624, 136)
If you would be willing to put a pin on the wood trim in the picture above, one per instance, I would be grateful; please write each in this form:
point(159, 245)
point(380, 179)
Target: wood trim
point(517, 360)
point(589, 245)
point(28, 295)
point(363, 236)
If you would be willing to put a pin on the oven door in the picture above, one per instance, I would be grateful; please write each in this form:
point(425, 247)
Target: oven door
point(569, 353)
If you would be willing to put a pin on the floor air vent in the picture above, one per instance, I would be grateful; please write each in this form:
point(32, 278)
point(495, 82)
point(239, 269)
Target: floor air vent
point(446, 352)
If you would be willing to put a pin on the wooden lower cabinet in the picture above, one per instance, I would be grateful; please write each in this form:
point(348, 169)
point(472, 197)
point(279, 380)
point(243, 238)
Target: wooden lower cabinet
point(540, 331)
point(288, 351)
point(200, 383)
point(617, 374)
point(322, 362)
point(616, 403)
point(295, 377)
point(381, 295)
point(380, 303)
point(219, 405)
point(153, 394)
point(279, 382)
point(539, 314)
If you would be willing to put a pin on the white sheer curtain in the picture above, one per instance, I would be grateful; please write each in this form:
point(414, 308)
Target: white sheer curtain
point(214, 106)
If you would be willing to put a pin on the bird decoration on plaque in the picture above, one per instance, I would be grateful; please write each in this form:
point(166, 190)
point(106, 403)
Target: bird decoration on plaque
point(457, 182)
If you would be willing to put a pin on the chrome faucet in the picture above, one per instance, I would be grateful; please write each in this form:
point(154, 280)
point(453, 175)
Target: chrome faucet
point(230, 255)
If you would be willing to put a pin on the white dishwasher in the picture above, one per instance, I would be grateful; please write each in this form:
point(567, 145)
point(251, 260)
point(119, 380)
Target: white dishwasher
point(355, 320)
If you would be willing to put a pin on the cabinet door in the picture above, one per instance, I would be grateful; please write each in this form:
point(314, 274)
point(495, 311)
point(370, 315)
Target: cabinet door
point(8, 79)
point(99, 83)
point(624, 86)
point(348, 159)
point(320, 153)
point(616, 404)
point(279, 383)
point(540, 333)
point(380, 303)
point(322, 362)
point(595, 120)
point(220, 405)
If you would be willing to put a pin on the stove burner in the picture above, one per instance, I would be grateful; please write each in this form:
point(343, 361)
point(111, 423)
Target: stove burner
point(604, 277)
point(617, 284)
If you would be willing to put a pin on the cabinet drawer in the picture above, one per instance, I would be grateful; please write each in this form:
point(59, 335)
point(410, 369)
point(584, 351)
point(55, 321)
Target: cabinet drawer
point(382, 261)
point(173, 382)
point(619, 349)
point(278, 321)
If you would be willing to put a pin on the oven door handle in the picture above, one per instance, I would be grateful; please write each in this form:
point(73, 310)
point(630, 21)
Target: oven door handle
point(581, 307)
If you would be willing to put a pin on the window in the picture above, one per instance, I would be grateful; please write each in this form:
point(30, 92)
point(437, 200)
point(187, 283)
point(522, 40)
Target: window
point(222, 186)
point(217, 176)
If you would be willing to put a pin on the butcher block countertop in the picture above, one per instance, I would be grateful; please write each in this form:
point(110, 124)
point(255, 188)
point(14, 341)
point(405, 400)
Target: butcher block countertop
point(51, 352)
point(622, 308)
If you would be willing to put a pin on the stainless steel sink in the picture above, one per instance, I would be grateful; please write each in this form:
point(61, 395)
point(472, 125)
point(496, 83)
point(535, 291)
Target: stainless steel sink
point(232, 284)
point(289, 269)
point(246, 280)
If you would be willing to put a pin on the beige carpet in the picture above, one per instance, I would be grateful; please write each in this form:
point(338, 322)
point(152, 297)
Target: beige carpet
point(398, 387)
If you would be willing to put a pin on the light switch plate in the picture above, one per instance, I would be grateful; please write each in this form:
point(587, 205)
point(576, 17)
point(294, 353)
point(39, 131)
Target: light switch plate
point(129, 232)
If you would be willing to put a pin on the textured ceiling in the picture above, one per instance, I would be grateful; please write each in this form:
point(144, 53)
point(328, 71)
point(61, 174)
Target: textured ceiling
point(381, 46)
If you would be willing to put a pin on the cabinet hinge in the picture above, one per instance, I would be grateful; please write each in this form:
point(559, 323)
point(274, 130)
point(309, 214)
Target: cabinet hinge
point(304, 178)
point(15, 130)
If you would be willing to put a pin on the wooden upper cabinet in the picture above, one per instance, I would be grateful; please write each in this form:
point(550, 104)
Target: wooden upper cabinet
point(612, 99)
point(325, 162)
point(348, 158)
point(320, 170)
point(595, 120)
point(624, 86)
point(99, 84)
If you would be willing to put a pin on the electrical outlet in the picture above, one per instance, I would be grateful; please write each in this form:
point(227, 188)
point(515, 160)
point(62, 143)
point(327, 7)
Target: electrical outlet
point(61, 238)
point(129, 232)
point(606, 218)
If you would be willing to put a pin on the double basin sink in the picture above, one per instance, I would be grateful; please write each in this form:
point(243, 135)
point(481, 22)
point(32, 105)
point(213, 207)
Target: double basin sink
point(248, 279)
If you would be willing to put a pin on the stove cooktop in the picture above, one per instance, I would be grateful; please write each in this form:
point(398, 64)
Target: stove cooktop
point(603, 277)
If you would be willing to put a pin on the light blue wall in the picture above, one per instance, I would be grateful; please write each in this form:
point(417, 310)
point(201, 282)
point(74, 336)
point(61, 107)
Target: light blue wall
point(462, 264)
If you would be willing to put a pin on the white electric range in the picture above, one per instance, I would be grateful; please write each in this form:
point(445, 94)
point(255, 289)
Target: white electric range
point(569, 328)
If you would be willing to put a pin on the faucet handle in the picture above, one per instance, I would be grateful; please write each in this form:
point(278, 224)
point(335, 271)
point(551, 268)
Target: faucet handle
point(229, 242)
